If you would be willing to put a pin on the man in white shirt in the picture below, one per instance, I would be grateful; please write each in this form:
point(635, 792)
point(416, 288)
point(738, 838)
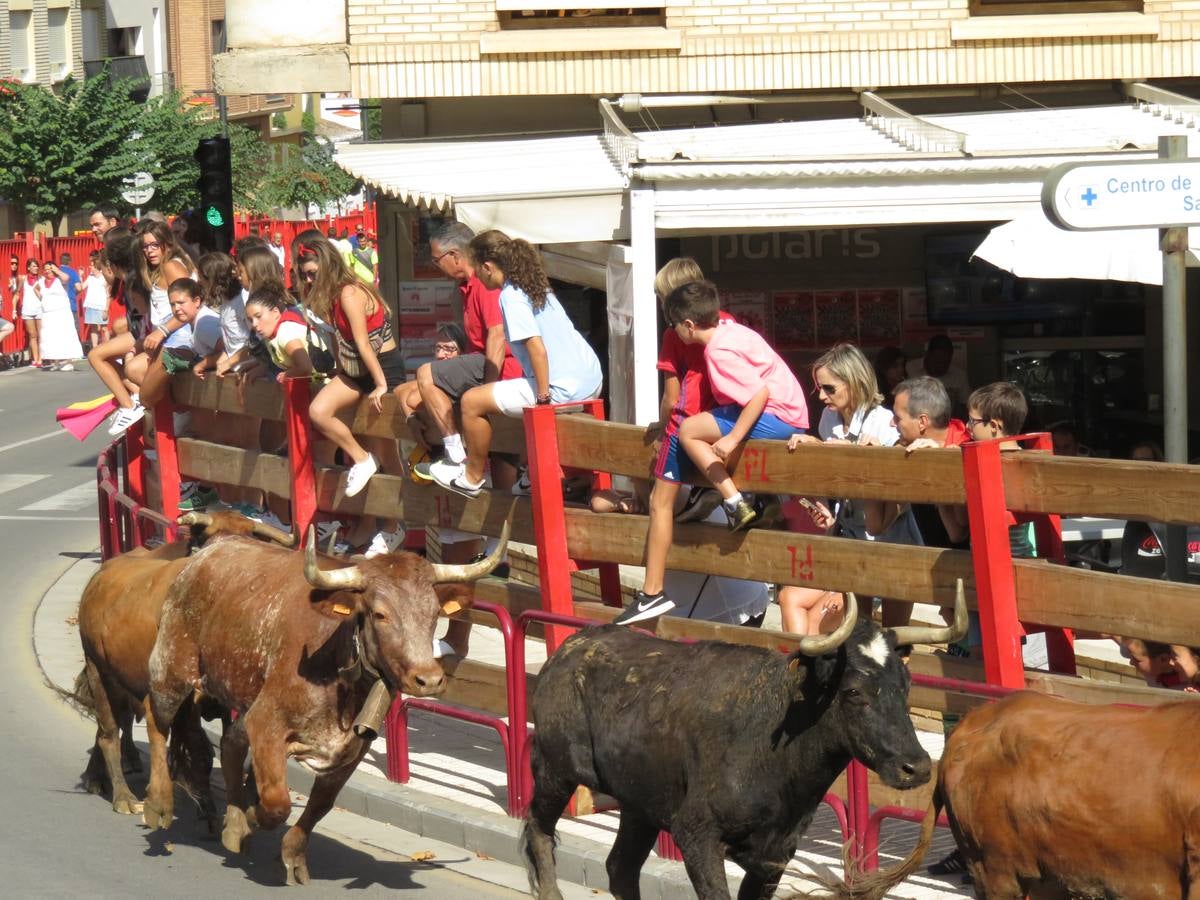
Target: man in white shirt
point(276, 248)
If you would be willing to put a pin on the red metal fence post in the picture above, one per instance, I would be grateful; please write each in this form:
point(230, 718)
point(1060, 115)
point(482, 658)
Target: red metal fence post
point(995, 590)
point(300, 463)
point(549, 519)
point(168, 457)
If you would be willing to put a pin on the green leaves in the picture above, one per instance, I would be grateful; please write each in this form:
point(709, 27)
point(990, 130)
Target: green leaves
point(72, 148)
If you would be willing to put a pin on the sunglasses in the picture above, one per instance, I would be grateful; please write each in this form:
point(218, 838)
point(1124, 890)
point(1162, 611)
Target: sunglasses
point(827, 389)
point(445, 348)
point(309, 274)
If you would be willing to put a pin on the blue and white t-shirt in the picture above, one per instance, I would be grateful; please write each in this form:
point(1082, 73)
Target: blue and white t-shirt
point(574, 369)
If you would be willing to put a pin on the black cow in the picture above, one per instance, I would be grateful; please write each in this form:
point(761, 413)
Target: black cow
point(729, 748)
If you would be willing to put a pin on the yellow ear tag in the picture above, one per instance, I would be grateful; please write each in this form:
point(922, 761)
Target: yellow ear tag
point(341, 609)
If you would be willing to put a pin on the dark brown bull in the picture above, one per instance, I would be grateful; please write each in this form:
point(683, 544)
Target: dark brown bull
point(1051, 799)
point(118, 623)
point(282, 640)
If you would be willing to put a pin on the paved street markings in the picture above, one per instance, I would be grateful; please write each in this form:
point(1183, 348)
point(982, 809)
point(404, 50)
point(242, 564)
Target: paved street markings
point(15, 481)
point(32, 440)
point(71, 499)
point(47, 518)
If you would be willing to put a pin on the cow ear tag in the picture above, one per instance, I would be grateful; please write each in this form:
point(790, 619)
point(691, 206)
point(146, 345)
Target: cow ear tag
point(341, 609)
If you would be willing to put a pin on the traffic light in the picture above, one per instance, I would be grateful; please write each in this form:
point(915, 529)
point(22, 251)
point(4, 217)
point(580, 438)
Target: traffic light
point(216, 190)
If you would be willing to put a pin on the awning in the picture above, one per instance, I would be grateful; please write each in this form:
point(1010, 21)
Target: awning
point(546, 190)
point(887, 168)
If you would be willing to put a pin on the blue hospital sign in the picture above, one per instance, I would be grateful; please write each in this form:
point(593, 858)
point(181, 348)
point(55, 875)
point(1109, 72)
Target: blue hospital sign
point(1152, 193)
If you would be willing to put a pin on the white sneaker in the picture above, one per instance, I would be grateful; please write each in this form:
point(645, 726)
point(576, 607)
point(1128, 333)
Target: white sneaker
point(359, 474)
point(384, 542)
point(126, 417)
point(66, 367)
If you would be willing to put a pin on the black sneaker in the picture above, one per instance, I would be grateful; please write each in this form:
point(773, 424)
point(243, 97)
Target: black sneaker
point(644, 607)
point(951, 864)
point(701, 501)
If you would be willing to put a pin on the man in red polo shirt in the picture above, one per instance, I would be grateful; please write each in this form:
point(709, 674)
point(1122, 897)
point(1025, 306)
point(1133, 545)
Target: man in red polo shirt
point(440, 384)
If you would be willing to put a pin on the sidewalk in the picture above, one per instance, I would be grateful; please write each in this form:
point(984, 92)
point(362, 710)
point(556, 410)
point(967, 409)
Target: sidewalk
point(457, 791)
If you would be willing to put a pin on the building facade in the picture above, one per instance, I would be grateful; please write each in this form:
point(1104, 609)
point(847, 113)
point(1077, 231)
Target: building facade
point(43, 40)
point(865, 148)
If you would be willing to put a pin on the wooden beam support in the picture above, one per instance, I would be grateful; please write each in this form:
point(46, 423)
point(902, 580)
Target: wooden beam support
point(208, 462)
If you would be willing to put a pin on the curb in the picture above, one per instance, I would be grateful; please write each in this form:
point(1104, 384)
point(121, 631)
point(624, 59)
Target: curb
point(579, 860)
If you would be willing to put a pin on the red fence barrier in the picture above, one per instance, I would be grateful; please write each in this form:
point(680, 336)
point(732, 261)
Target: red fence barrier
point(268, 228)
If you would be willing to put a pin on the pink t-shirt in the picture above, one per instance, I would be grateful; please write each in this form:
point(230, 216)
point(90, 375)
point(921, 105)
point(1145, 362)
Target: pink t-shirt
point(740, 363)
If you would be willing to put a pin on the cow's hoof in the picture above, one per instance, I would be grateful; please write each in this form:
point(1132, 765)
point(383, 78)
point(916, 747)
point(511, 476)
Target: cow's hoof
point(296, 870)
point(154, 816)
point(236, 830)
point(127, 805)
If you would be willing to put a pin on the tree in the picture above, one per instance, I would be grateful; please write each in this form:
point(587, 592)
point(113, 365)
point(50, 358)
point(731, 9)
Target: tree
point(308, 177)
point(63, 151)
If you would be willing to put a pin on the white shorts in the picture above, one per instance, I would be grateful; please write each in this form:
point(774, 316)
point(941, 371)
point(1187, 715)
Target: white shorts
point(513, 395)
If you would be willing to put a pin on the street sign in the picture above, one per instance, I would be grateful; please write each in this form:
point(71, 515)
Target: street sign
point(1151, 193)
point(138, 189)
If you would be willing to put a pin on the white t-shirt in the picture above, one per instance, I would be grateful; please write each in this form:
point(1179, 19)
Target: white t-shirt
point(574, 369)
point(234, 330)
point(277, 252)
point(876, 424)
point(54, 297)
point(96, 296)
point(206, 331)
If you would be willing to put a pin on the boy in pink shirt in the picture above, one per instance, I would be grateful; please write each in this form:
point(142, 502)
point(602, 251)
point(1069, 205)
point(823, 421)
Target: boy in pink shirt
point(757, 395)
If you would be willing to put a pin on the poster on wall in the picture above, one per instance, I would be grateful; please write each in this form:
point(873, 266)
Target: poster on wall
point(879, 317)
point(795, 320)
point(749, 308)
point(426, 301)
point(837, 317)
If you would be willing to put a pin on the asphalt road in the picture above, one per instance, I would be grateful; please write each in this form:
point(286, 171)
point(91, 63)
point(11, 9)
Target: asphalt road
point(57, 841)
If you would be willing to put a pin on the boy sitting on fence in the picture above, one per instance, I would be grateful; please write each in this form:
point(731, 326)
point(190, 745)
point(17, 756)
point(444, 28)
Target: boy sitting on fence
point(757, 394)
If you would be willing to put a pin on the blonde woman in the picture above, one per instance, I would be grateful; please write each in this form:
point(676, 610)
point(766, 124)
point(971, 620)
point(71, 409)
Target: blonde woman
point(854, 414)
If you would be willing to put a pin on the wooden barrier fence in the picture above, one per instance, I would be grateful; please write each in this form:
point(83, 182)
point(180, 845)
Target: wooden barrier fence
point(1041, 591)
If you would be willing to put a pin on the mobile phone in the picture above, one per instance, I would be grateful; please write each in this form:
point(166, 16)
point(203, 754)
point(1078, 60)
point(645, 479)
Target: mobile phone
point(807, 504)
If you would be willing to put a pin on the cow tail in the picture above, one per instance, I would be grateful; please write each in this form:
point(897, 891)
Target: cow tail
point(862, 885)
point(80, 695)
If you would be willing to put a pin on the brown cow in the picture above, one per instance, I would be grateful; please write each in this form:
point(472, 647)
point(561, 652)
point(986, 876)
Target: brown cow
point(118, 623)
point(282, 640)
point(1050, 798)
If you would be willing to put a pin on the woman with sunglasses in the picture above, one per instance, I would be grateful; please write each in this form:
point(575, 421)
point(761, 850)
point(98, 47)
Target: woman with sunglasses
point(854, 414)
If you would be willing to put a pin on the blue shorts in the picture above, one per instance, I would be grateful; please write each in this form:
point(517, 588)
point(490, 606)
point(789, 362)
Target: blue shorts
point(672, 464)
point(768, 427)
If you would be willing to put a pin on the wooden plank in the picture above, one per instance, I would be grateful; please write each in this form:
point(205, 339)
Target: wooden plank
point(208, 462)
point(508, 433)
point(479, 685)
point(924, 574)
point(827, 470)
point(1107, 488)
point(1110, 604)
point(261, 398)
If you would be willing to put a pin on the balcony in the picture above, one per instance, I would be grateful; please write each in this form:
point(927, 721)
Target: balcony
point(124, 67)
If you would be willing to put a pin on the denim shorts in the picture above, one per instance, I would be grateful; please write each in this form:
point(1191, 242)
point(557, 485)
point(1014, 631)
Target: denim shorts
point(768, 427)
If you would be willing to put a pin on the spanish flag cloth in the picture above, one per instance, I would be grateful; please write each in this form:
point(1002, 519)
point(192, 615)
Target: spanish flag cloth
point(82, 418)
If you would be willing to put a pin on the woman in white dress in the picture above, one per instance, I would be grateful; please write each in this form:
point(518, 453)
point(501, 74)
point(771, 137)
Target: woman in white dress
point(59, 336)
point(31, 310)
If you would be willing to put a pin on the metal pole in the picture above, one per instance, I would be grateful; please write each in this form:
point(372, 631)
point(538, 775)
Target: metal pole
point(1175, 374)
point(223, 112)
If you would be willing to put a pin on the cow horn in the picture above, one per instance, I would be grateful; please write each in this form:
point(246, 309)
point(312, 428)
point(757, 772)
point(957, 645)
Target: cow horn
point(921, 634)
point(192, 519)
point(449, 574)
point(349, 578)
point(270, 533)
point(820, 644)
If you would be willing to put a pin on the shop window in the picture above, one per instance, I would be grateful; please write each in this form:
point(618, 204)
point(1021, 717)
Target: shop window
point(59, 42)
point(522, 14)
point(20, 37)
point(1054, 7)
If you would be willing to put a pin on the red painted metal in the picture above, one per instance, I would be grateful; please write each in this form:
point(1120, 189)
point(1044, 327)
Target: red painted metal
point(135, 463)
point(995, 589)
point(168, 457)
point(297, 396)
point(610, 573)
point(549, 518)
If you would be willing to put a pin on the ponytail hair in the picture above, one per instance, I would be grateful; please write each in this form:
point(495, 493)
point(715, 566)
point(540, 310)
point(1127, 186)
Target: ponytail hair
point(519, 260)
point(272, 296)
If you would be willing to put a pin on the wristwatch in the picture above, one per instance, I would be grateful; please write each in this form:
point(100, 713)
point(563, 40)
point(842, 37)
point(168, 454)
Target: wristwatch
point(543, 399)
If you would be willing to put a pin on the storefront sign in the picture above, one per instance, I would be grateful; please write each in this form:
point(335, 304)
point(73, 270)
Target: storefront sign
point(1150, 193)
point(819, 243)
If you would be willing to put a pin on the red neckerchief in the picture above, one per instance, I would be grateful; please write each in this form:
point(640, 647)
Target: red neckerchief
point(49, 280)
point(31, 280)
point(287, 315)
